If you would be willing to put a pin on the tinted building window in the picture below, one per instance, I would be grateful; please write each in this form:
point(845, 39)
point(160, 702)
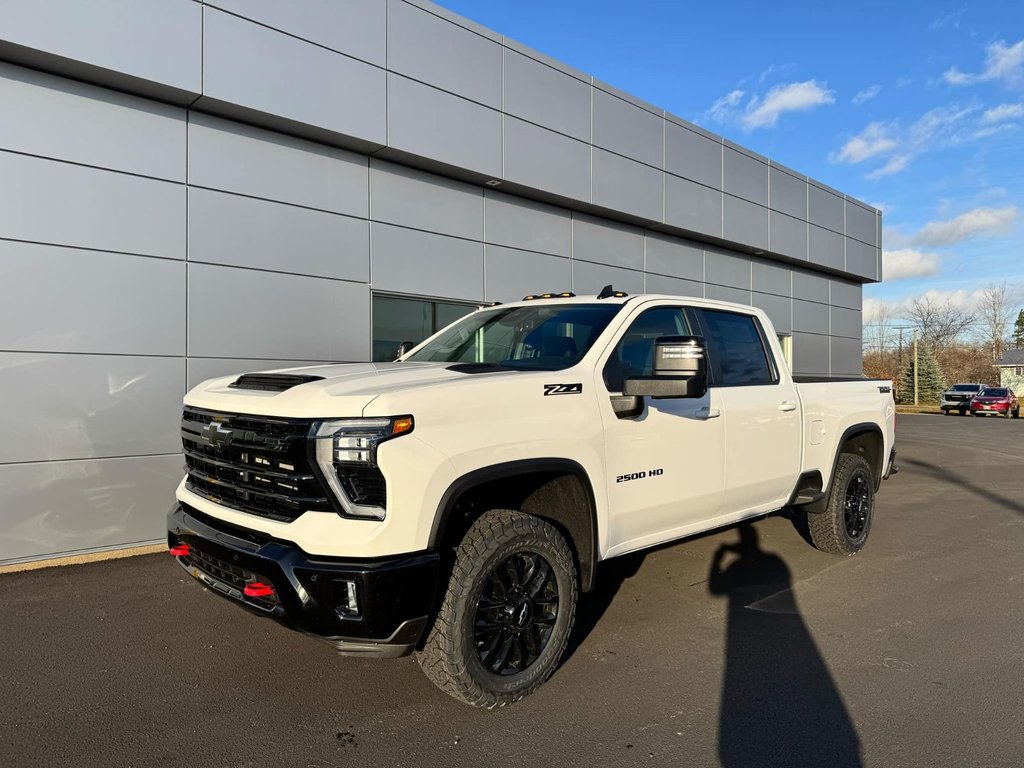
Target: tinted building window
point(396, 320)
point(735, 349)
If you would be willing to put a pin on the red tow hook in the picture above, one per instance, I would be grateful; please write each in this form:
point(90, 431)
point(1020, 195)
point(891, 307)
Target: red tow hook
point(180, 550)
point(258, 589)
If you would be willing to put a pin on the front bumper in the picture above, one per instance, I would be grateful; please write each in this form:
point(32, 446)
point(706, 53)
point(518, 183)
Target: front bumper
point(995, 408)
point(954, 405)
point(395, 594)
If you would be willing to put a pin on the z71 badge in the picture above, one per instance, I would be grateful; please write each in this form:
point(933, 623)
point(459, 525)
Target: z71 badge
point(563, 389)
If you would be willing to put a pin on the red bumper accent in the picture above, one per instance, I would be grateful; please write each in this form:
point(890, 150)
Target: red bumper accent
point(258, 589)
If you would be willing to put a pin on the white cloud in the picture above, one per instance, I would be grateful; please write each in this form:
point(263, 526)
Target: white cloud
point(873, 308)
point(1003, 112)
point(1003, 62)
point(897, 146)
point(896, 164)
point(723, 107)
point(906, 263)
point(791, 97)
point(867, 94)
point(875, 139)
point(948, 20)
point(974, 223)
point(765, 112)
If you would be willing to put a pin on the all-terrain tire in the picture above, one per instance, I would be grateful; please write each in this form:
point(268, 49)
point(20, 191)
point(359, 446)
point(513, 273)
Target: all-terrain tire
point(450, 656)
point(842, 529)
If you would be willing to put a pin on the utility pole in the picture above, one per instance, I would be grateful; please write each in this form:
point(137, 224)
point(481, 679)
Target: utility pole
point(915, 366)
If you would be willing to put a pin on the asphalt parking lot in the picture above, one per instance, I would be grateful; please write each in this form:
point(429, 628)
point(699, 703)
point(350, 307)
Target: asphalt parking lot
point(909, 654)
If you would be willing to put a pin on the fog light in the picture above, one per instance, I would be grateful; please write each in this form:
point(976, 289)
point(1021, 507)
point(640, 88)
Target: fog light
point(346, 599)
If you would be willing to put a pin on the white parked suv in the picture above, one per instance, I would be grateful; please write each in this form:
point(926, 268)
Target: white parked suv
point(958, 398)
point(454, 503)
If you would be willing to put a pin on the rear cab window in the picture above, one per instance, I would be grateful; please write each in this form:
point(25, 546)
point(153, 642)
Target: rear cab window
point(736, 348)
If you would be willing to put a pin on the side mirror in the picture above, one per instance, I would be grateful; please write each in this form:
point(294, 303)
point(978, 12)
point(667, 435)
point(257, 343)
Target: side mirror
point(404, 347)
point(680, 370)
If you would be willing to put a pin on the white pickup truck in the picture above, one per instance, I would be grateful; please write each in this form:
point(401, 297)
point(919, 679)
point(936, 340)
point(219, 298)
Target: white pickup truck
point(454, 503)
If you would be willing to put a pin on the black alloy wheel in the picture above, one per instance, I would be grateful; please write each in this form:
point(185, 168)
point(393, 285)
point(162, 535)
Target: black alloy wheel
point(505, 618)
point(857, 504)
point(515, 613)
point(842, 528)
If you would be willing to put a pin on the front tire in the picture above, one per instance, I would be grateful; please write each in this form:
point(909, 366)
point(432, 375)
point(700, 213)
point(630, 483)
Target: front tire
point(507, 613)
point(842, 529)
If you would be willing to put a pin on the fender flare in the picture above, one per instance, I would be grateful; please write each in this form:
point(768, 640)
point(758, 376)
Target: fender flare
point(864, 427)
point(583, 532)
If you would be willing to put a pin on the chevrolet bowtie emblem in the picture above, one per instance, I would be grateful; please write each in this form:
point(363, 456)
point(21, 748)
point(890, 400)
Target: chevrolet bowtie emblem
point(216, 434)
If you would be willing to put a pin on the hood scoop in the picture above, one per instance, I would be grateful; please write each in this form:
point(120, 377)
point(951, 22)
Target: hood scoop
point(478, 368)
point(271, 382)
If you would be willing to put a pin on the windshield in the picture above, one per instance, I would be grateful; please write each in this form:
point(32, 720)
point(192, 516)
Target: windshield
point(542, 337)
point(966, 388)
point(993, 392)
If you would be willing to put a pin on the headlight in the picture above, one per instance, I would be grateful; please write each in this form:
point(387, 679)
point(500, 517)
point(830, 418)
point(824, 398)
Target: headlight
point(346, 452)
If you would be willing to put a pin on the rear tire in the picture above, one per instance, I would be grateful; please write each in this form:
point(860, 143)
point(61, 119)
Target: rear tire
point(842, 529)
point(507, 613)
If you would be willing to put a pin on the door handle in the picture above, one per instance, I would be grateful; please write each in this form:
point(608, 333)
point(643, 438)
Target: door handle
point(786, 405)
point(708, 413)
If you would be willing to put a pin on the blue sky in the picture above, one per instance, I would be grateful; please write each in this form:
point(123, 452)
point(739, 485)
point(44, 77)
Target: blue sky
point(916, 107)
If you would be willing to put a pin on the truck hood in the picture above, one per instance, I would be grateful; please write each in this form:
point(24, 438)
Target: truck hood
point(343, 390)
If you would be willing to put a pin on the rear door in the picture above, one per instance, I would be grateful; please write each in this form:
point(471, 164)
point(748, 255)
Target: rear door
point(763, 435)
point(665, 462)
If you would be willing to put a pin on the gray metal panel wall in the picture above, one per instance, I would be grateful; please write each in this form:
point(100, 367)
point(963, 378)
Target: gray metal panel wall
point(137, 236)
point(427, 87)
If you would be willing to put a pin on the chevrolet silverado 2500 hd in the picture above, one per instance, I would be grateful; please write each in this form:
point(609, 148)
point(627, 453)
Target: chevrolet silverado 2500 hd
point(454, 503)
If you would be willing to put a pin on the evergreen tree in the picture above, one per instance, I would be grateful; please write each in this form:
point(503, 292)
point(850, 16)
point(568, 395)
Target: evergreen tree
point(1018, 331)
point(930, 382)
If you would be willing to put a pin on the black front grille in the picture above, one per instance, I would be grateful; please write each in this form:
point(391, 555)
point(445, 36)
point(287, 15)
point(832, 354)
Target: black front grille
point(254, 464)
point(221, 570)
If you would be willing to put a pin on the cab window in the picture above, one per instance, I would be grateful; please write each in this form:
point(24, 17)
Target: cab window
point(736, 349)
point(634, 354)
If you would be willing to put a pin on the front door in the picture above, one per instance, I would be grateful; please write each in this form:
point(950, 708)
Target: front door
point(665, 464)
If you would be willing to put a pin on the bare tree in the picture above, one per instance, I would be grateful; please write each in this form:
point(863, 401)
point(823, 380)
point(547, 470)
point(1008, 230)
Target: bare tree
point(995, 310)
point(939, 323)
point(878, 327)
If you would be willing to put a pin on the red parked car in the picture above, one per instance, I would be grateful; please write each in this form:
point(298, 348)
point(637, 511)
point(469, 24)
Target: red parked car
point(999, 401)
